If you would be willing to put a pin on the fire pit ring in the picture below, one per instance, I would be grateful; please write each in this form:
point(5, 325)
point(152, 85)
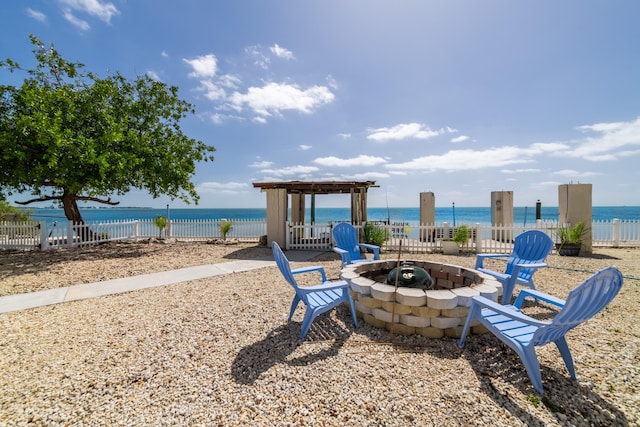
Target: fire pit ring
point(434, 313)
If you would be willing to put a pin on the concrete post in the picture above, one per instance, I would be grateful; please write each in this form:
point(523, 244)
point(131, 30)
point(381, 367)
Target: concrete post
point(574, 205)
point(502, 213)
point(427, 214)
point(277, 208)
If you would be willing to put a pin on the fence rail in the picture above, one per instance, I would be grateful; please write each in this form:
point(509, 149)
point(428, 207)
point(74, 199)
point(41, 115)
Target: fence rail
point(413, 238)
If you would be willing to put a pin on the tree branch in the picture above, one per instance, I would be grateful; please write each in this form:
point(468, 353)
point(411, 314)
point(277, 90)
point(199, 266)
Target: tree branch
point(41, 199)
point(95, 199)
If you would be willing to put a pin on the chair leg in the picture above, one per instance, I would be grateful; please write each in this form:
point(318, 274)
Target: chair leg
point(507, 289)
point(566, 356)
point(353, 310)
point(294, 305)
point(467, 324)
point(309, 315)
point(531, 364)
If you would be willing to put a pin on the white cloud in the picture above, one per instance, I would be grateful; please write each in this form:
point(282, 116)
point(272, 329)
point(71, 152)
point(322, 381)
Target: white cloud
point(259, 58)
point(222, 187)
point(204, 67)
point(80, 23)
point(261, 165)
point(291, 170)
point(164, 54)
point(305, 147)
point(274, 97)
point(405, 131)
point(212, 91)
point(37, 15)
point(344, 135)
point(281, 52)
point(152, 74)
point(460, 138)
point(569, 173)
point(102, 10)
point(456, 160)
point(608, 144)
point(514, 171)
point(362, 160)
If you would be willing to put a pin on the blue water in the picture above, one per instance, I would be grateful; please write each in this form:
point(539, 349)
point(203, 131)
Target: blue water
point(461, 215)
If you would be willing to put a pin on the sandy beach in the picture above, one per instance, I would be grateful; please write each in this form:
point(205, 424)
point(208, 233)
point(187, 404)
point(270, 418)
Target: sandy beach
point(219, 351)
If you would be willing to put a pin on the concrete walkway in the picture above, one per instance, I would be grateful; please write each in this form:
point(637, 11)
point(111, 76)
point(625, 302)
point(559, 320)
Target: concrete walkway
point(109, 287)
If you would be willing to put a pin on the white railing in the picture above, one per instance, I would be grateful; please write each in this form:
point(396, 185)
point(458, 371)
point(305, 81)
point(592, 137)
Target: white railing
point(413, 238)
point(34, 235)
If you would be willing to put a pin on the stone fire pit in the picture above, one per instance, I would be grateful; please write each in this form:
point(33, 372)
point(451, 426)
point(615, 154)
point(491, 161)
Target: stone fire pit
point(434, 313)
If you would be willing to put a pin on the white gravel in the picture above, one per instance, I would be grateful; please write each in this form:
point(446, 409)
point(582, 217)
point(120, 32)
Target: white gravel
point(219, 351)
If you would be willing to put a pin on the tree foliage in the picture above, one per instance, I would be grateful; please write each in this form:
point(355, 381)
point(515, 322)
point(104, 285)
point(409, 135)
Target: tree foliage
point(69, 135)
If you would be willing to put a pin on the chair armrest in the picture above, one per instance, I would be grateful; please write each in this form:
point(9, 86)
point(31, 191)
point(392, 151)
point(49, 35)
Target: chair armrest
point(374, 248)
point(346, 258)
point(326, 286)
point(506, 310)
point(481, 257)
point(532, 265)
point(311, 269)
point(539, 296)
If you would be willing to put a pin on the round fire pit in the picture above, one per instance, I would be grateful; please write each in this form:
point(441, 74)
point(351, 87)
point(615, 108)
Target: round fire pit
point(434, 311)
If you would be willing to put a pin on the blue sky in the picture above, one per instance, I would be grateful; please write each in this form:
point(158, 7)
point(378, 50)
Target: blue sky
point(456, 97)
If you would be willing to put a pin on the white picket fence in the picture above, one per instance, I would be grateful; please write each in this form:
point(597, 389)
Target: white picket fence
point(39, 235)
point(412, 237)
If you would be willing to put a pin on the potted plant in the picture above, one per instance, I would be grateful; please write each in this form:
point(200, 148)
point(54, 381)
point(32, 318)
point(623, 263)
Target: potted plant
point(460, 237)
point(225, 227)
point(161, 223)
point(570, 237)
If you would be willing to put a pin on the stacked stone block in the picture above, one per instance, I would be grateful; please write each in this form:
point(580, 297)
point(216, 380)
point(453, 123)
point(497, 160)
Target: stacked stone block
point(434, 313)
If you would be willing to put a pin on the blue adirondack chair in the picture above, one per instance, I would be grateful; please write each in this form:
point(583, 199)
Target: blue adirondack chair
point(530, 249)
point(318, 299)
point(346, 238)
point(523, 333)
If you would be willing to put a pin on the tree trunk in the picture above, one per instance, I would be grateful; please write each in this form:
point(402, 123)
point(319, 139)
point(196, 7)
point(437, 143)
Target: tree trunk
point(71, 211)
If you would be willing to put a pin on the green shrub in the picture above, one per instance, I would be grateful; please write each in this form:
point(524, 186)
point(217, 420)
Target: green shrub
point(12, 213)
point(374, 234)
point(225, 227)
point(161, 223)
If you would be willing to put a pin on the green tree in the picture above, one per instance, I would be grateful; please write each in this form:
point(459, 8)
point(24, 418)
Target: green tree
point(68, 135)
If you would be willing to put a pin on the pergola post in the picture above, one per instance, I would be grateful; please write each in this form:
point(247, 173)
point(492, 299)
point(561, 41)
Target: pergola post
point(277, 216)
point(358, 206)
point(297, 213)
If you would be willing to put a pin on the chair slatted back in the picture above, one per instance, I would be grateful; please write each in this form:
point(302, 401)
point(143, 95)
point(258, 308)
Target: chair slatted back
point(530, 247)
point(283, 264)
point(346, 237)
point(583, 302)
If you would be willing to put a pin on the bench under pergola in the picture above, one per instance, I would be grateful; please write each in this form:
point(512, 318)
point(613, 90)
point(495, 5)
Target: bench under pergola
point(278, 202)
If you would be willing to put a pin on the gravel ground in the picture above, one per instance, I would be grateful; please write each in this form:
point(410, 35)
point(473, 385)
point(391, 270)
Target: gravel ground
point(219, 351)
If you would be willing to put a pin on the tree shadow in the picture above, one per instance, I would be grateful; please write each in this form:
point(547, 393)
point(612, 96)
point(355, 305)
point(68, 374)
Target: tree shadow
point(282, 342)
point(16, 263)
point(493, 362)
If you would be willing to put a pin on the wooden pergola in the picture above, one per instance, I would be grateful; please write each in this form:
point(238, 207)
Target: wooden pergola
point(278, 207)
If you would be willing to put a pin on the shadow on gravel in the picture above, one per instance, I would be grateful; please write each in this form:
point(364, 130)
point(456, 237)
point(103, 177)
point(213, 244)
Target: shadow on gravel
point(282, 342)
point(14, 263)
point(499, 369)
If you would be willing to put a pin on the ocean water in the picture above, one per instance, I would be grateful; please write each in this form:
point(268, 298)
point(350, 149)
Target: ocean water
point(459, 215)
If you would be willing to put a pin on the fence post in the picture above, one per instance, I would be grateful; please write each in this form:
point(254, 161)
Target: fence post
point(615, 232)
point(43, 235)
point(478, 238)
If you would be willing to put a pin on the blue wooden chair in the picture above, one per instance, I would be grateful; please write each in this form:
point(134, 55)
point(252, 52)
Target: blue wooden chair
point(346, 238)
point(523, 333)
point(319, 298)
point(530, 249)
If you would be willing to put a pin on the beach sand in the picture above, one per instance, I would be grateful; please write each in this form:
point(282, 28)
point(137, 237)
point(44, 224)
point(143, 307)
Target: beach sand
point(219, 351)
